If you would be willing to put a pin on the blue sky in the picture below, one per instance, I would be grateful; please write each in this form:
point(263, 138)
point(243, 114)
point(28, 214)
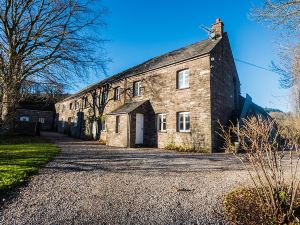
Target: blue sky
point(141, 29)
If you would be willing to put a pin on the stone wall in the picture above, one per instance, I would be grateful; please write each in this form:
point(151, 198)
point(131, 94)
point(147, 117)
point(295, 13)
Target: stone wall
point(212, 96)
point(119, 139)
point(35, 115)
point(225, 89)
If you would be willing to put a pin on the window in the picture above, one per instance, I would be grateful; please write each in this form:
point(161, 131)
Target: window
point(76, 105)
point(24, 118)
point(161, 122)
point(71, 105)
point(104, 94)
point(183, 79)
point(103, 128)
point(117, 124)
point(183, 121)
point(137, 88)
point(117, 93)
point(41, 120)
point(75, 121)
point(85, 102)
point(63, 108)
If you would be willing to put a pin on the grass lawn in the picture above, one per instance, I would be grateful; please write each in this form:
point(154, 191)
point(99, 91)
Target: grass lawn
point(20, 157)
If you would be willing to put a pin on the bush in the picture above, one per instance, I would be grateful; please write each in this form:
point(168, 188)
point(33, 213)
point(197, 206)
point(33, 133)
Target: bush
point(266, 145)
point(243, 206)
point(186, 148)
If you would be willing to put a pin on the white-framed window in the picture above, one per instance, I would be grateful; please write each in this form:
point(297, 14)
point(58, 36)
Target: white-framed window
point(85, 102)
point(24, 118)
point(104, 94)
point(41, 120)
point(161, 122)
point(183, 79)
point(77, 105)
point(75, 121)
point(63, 108)
point(117, 124)
point(117, 93)
point(103, 127)
point(183, 121)
point(137, 88)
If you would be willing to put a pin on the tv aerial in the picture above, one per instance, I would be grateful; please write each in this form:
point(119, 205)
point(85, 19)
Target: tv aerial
point(211, 34)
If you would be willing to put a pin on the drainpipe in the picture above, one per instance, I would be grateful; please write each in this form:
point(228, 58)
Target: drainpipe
point(128, 129)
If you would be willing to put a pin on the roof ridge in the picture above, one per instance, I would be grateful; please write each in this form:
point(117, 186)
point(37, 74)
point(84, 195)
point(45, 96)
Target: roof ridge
point(172, 54)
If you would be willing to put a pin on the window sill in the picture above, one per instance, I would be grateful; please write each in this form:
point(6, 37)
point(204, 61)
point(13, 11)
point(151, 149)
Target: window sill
point(179, 89)
point(184, 131)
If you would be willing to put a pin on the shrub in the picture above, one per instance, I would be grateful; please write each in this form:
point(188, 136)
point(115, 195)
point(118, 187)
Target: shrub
point(186, 148)
point(243, 206)
point(266, 145)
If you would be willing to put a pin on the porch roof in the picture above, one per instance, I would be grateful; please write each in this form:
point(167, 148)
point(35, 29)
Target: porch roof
point(127, 108)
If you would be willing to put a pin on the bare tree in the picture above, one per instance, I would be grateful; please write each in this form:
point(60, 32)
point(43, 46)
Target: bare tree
point(284, 17)
point(46, 41)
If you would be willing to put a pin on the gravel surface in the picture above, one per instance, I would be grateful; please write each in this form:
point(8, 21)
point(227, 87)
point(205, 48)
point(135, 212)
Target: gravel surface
point(92, 184)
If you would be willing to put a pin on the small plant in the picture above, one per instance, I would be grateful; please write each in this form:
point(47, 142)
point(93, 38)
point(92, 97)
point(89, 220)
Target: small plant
point(267, 145)
point(102, 142)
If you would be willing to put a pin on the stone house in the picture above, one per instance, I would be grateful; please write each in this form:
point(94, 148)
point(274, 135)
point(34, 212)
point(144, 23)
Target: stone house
point(177, 99)
point(42, 112)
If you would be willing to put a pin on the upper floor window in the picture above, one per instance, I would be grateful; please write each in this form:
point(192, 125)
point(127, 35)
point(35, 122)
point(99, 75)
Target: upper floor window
point(137, 88)
point(161, 122)
point(183, 121)
point(183, 79)
point(117, 93)
point(85, 102)
point(104, 95)
point(71, 105)
point(63, 108)
point(77, 105)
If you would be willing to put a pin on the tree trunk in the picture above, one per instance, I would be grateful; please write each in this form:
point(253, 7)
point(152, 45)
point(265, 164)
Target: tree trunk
point(9, 103)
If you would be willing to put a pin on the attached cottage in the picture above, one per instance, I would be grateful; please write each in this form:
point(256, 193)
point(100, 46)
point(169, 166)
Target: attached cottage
point(175, 99)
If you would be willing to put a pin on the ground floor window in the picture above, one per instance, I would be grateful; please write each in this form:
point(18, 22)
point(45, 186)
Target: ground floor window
point(183, 121)
point(161, 122)
point(117, 124)
point(103, 128)
point(24, 118)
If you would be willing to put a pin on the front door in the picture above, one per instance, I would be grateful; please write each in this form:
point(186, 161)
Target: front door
point(139, 131)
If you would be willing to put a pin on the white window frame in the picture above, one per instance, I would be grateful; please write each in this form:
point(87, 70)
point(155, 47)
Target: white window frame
point(161, 120)
point(103, 125)
point(75, 122)
point(184, 115)
point(24, 118)
point(183, 79)
point(137, 88)
point(77, 105)
point(117, 93)
point(41, 120)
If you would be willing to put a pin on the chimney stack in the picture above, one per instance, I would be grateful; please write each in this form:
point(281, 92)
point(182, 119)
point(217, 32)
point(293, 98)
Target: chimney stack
point(217, 28)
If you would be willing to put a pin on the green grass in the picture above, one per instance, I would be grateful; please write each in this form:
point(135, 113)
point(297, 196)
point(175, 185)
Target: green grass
point(20, 157)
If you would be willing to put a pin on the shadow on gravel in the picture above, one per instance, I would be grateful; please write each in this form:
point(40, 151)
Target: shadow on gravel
point(78, 156)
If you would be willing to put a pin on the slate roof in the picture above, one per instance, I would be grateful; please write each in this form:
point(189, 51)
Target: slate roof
point(182, 54)
point(128, 107)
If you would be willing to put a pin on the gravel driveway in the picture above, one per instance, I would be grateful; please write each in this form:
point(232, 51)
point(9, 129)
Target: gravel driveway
point(92, 184)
